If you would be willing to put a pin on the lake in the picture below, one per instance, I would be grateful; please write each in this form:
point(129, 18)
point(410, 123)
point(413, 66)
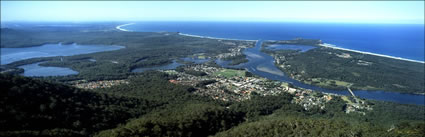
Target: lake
point(9, 55)
point(173, 65)
point(32, 70)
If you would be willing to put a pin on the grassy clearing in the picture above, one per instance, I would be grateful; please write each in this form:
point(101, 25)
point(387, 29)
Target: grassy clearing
point(330, 82)
point(345, 98)
point(228, 73)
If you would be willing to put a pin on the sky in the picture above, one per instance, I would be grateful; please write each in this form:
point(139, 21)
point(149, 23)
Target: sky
point(407, 12)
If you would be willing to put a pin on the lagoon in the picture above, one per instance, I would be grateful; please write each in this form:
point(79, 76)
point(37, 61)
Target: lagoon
point(9, 55)
point(301, 48)
point(173, 65)
point(35, 70)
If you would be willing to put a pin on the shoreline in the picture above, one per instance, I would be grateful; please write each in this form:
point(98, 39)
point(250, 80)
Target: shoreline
point(208, 37)
point(369, 53)
point(183, 34)
point(323, 45)
point(119, 27)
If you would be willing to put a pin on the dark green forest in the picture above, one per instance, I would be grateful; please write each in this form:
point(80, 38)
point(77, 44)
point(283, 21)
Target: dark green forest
point(151, 106)
point(235, 60)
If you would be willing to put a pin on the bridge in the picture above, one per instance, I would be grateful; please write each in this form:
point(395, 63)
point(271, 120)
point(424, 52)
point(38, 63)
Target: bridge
point(351, 92)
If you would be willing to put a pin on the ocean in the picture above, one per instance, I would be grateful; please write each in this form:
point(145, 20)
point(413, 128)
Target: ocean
point(398, 40)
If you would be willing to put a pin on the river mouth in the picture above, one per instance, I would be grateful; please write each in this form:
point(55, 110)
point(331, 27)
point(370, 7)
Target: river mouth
point(263, 65)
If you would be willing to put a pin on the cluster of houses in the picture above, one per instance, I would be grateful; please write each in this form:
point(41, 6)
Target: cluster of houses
point(235, 51)
point(310, 99)
point(98, 84)
point(240, 88)
point(357, 105)
point(235, 88)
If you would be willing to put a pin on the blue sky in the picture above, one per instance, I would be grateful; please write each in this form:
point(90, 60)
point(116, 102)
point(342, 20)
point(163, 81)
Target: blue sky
point(410, 12)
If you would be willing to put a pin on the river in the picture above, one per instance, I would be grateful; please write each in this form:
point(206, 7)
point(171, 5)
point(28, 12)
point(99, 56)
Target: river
point(262, 65)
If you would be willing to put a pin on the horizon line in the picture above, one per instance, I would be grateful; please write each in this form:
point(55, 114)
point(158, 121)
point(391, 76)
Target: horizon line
point(265, 21)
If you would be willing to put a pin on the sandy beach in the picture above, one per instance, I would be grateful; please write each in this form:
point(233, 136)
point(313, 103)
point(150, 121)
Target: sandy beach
point(369, 53)
point(190, 35)
point(119, 27)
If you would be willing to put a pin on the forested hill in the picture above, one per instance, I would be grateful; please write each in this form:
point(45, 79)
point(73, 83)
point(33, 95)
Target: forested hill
point(152, 106)
point(31, 107)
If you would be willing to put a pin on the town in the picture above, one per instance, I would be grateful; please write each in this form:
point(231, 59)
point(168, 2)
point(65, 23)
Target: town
point(238, 85)
point(97, 84)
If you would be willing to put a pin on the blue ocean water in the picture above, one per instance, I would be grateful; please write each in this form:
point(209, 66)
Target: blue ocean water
point(399, 40)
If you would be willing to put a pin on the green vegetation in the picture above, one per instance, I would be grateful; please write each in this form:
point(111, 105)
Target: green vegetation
point(236, 60)
point(329, 83)
point(191, 72)
point(205, 82)
point(151, 106)
point(231, 73)
point(336, 69)
point(32, 107)
point(191, 120)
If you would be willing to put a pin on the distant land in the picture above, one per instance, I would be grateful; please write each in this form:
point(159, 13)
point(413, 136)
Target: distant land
point(397, 40)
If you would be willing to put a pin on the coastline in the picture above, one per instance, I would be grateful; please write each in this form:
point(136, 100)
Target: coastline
point(208, 37)
point(323, 45)
point(183, 34)
point(369, 53)
point(119, 27)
